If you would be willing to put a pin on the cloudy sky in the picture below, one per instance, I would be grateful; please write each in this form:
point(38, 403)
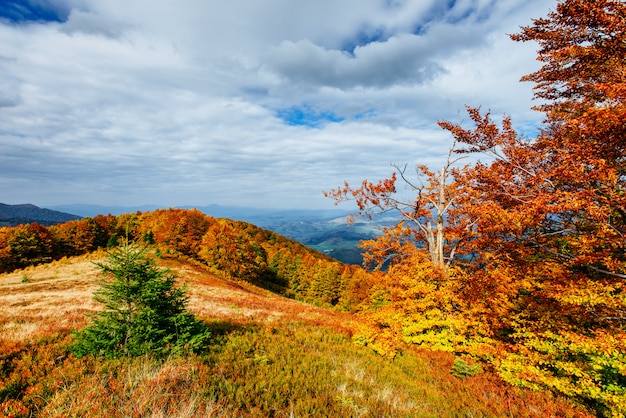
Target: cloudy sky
point(244, 102)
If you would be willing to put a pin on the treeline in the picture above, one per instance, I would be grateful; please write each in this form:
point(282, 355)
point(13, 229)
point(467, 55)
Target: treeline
point(230, 249)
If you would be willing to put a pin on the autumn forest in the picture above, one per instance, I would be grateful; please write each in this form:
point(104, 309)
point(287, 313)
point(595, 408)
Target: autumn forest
point(510, 256)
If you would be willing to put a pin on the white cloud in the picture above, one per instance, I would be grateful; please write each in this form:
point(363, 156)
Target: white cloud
point(137, 102)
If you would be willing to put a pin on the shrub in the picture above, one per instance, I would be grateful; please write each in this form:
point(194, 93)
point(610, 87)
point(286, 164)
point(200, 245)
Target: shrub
point(144, 312)
point(462, 369)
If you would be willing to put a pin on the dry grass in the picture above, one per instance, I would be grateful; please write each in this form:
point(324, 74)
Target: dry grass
point(40, 300)
point(214, 298)
point(145, 388)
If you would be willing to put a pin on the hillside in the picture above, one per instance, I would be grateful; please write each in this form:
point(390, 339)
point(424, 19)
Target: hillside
point(323, 230)
point(271, 356)
point(12, 215)
point(256, 290)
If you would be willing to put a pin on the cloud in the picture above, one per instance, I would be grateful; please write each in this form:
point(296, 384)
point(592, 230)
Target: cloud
point(89, 23)
point(263, 103)
point(399, 59)
point(384, 56)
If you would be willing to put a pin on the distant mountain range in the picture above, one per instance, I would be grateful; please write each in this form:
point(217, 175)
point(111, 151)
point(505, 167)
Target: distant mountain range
point(12, 215)
point(241, 213)
point(324, 230)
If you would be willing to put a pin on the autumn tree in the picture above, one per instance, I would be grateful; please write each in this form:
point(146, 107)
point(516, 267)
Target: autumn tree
point(427, 212)
point(549, 213)
point(418, 301)
point(76, 236)
point(582, 84)
point(229, 250)
point(7, 262)
point(560, 198)
point(542, 225)
point(30, 244)
point(179, 230)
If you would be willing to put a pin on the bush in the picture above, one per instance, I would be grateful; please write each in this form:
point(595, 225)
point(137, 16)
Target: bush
point(144, 312)
point(462, 369)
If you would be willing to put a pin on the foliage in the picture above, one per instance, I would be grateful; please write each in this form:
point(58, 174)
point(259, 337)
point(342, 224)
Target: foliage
point(429, 220)
point(591, 367)
point(25, 245)
point(144, 311)
point(255, 370)
point(76, 237)
point(230, 250)
point(461, 369)
point(178, 230)
point(549, 213)
point(538, 231)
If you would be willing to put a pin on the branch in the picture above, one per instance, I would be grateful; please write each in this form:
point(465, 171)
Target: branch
point(609, 318)
point(570, 258)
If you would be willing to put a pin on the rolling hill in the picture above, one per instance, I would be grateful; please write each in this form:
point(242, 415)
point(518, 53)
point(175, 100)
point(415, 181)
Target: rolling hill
point(270, 356)
point(323, 230)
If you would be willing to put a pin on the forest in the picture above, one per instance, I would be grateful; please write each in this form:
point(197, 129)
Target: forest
point(515, 265)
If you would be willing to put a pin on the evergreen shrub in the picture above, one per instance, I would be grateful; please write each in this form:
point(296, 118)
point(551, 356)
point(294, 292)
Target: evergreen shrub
point(144, 312)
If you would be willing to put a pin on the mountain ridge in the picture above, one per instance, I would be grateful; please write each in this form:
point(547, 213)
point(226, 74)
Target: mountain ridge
point(325, 230)
point(26, 213)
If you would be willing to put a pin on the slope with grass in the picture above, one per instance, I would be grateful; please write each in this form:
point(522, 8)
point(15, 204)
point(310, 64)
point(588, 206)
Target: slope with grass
point(270, 356)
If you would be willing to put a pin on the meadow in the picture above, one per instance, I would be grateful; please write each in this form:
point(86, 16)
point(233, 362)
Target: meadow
point(269, 356)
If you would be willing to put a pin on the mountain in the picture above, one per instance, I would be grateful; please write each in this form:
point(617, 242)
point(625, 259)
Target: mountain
point(240, 213)
point(325, 230)
point(12, 215)
point(85, 210)
point(332, 235)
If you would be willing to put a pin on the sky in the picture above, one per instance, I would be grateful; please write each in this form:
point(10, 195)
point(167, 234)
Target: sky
point(262, 103)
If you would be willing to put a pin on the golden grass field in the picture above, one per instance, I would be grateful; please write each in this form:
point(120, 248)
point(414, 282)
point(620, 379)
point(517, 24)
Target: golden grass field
point(40, 299)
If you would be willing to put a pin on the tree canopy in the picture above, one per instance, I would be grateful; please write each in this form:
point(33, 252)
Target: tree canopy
point(536, 238)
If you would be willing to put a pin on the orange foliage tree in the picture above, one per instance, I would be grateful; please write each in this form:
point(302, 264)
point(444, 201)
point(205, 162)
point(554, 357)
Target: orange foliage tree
point(76, 237)
point(230, 251)
point(418, 299)
point(26, 245)
point(7, 263)
point(543, 225)
point(551, 213)
point(429, 220)
point(178, 230)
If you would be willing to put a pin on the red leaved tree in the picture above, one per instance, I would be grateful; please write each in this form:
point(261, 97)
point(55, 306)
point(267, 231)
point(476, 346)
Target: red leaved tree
point(542, 227)
point(550, 230)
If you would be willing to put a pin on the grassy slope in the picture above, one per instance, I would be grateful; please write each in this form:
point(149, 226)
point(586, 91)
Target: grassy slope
point(271, 357)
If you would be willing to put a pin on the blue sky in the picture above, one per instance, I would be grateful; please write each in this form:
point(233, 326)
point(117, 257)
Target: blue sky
point(264, 103)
